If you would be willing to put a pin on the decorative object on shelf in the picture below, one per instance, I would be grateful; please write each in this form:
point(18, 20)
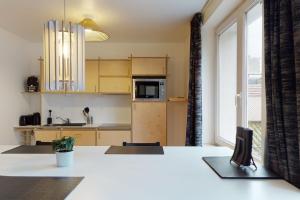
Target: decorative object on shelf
point(32, 84)
point(242, 155)
point(64, 55)
point(64, 151)
point(93, 32)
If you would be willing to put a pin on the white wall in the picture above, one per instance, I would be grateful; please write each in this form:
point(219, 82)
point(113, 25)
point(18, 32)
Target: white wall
point(208, 83)
point(104, 109)
point(14, 68)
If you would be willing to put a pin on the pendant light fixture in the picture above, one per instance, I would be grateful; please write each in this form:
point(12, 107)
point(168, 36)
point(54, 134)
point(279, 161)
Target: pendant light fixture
point(64, 55)
point(93, 32)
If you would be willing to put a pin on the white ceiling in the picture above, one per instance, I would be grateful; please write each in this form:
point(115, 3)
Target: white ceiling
point(123, 20)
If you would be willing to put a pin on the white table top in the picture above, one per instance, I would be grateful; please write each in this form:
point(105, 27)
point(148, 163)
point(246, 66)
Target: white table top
point(178, 175)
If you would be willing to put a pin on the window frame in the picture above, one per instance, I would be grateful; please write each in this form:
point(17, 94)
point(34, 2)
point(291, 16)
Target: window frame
point(239, 16)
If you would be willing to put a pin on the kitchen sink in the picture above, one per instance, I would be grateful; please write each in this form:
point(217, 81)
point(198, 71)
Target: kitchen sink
point(67, 124)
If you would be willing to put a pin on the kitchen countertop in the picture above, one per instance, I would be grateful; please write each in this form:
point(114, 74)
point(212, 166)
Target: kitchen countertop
point(105, 126)
point(178, 174)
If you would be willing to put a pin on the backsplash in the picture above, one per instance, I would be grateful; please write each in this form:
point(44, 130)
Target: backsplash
point(104, 108)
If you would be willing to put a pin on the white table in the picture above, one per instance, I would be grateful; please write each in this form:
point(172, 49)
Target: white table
point(180, 174)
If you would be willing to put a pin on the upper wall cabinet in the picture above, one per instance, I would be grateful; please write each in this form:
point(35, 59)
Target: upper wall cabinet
point(115, 76)
point(91, 76)
point(142, 66)
point(115, 68)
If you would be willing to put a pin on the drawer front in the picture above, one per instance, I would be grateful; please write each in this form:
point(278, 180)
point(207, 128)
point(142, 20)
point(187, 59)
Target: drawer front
point(82, 138)
point(46, 135)
point(107, 138)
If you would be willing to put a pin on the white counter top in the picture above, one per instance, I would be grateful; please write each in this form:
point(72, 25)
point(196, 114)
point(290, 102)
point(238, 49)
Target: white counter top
point(180, 174)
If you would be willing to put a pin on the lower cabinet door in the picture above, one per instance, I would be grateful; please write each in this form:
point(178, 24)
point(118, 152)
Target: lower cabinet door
point(46, 135)
point(149, 122)
point(82, 138)
point(116, 138)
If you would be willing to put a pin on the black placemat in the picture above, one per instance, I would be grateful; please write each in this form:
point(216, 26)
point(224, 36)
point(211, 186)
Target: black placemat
point(135, 150)
point(27, 149)
point(222, 167)
point(37, 188)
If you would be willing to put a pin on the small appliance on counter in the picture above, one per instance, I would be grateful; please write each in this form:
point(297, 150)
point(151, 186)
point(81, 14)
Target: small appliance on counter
point(34, 119)
point(49, 119)
point(89, 119)
point(32, 84)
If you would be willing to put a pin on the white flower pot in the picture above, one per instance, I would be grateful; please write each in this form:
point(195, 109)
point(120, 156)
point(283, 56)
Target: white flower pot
point(64, 159)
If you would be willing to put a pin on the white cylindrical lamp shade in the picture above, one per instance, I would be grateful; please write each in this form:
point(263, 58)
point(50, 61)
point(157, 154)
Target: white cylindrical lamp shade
point(64, 56)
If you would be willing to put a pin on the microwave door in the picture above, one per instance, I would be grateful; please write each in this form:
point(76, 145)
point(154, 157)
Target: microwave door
point(147, 90)
point(152, 92)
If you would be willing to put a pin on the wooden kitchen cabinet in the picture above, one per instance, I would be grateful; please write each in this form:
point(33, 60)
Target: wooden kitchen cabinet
point(113, 137)
point(115, 68)
point(149, 122)
point(115, 85)
point(82, 137)
point(46, 135)
point(149, 66)
point(115, 76)
point(91, 76)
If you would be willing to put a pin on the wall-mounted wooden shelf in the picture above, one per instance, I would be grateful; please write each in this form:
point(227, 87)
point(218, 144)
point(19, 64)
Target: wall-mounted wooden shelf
point(177, 99)
point(30, 92)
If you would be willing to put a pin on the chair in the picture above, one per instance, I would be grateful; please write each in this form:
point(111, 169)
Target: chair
point(141, 144)
point(42, 143)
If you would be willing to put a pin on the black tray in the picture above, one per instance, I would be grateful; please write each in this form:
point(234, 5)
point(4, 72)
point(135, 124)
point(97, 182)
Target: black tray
point(222, 167)
point(37, 188)
point(135, 150)
point(26, 149)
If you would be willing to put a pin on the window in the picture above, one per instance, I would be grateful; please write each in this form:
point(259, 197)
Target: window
point(227, 67)
point(240, 76)
point(254, 41)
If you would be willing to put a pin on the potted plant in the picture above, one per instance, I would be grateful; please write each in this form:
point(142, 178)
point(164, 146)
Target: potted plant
point(64, 151)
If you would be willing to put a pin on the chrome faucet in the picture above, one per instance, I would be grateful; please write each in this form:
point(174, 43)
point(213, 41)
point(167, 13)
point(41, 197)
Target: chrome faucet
point(66, 121)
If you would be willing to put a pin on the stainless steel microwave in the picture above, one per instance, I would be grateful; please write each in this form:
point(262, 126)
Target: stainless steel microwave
point(149, 89)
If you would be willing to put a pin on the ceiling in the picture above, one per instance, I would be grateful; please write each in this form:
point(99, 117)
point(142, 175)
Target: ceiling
point(123, 20)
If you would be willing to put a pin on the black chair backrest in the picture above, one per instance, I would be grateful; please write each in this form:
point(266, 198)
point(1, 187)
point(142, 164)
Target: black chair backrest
point(43, 143)
point(243, 147)
point(141, 144)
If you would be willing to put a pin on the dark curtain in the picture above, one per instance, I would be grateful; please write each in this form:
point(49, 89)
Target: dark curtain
point(194, 116)
point(282, 74)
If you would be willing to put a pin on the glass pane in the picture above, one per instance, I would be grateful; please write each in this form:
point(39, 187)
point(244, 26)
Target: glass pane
point(227, 83)
point(254, 67)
